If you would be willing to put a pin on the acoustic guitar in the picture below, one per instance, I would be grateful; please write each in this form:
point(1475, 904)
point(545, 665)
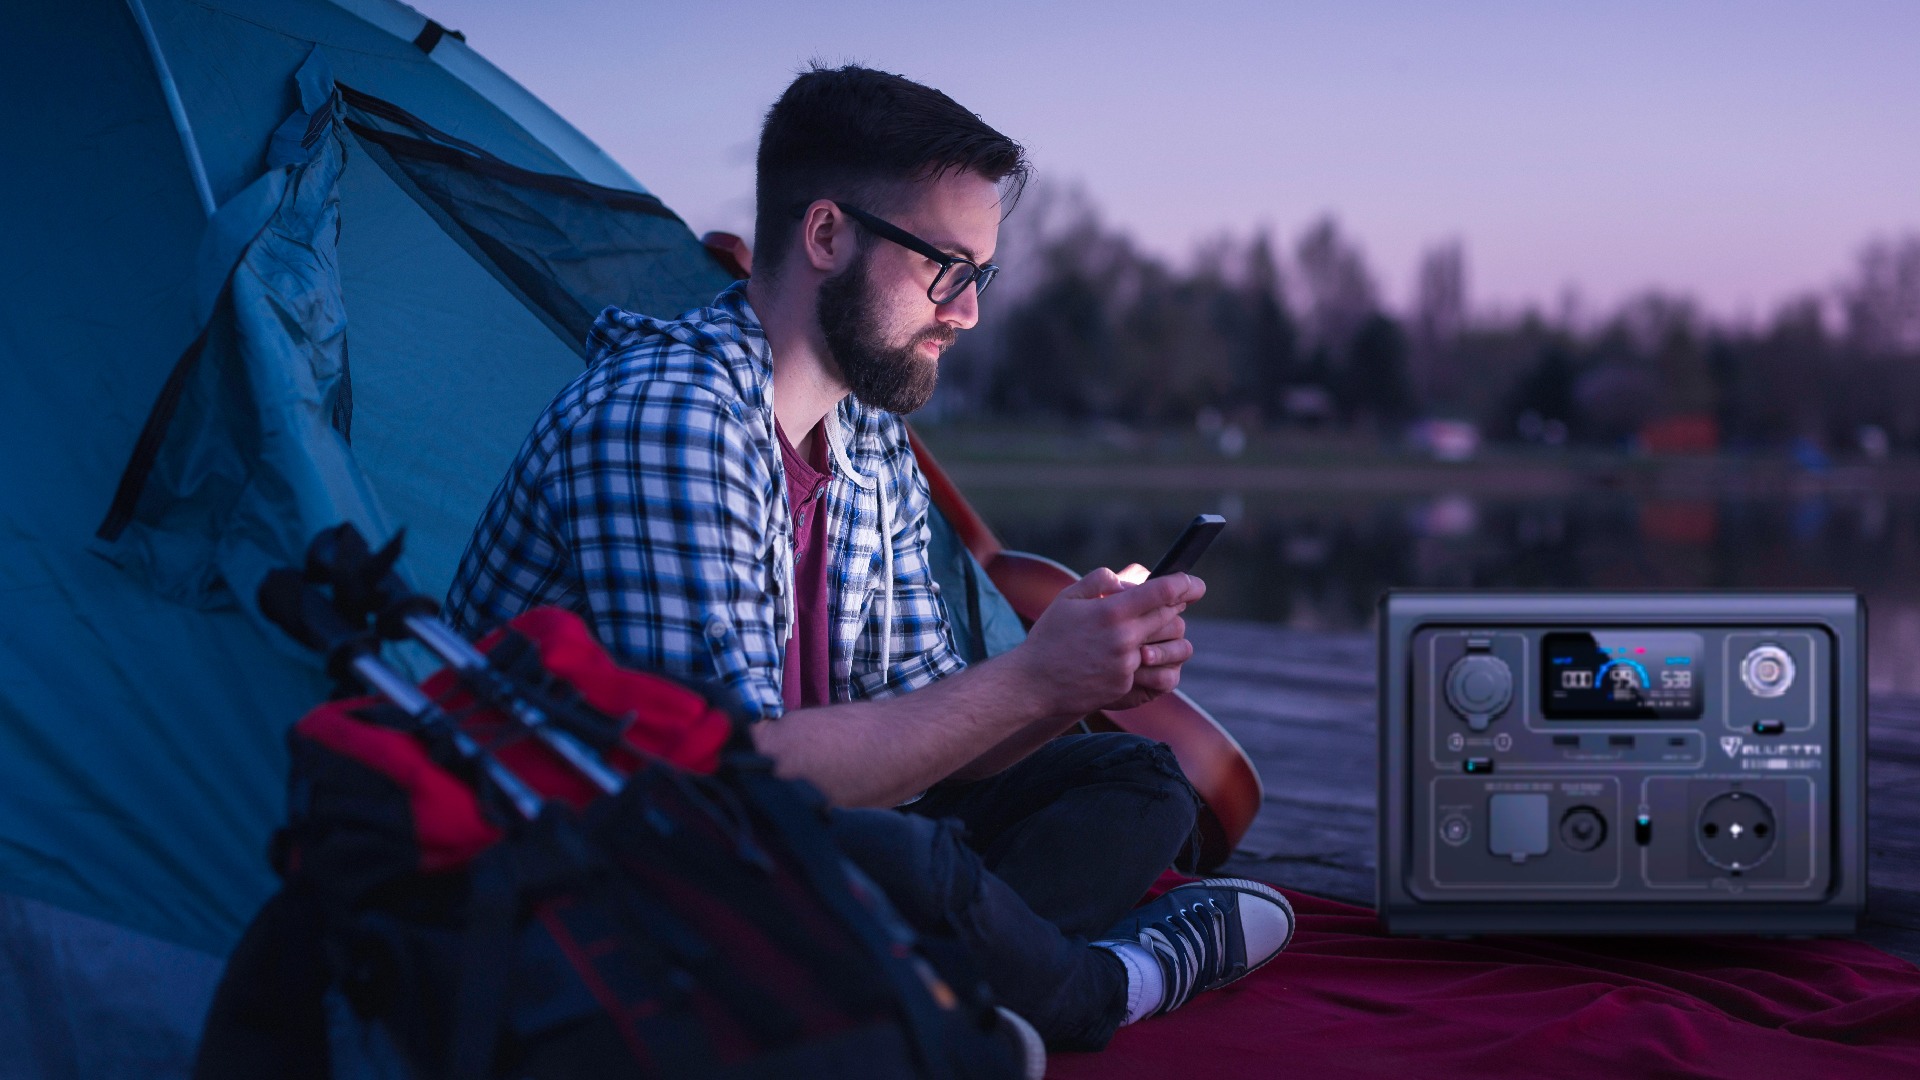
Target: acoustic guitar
point(1229, 786)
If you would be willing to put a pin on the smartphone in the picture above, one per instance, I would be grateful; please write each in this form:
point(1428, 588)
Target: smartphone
point(1190, 546)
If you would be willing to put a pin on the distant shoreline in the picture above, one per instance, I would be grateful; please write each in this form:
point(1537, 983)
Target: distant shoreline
point(1679, 478)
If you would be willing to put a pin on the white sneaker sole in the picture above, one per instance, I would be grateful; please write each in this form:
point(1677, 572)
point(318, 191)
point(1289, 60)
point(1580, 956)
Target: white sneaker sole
point(1033, 1050)
point(1265, 892)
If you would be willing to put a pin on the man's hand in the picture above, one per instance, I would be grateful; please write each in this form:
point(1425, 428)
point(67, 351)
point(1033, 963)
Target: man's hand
point(1109, 643)
point(1104, 643)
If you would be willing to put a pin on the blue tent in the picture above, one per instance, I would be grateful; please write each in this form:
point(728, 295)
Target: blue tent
point(268, 265)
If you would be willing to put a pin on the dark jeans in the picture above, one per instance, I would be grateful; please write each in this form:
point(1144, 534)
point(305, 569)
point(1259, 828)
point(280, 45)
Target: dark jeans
point(1021, 869)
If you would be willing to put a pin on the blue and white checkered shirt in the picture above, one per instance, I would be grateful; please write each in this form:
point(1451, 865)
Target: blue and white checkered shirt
point(651, 499)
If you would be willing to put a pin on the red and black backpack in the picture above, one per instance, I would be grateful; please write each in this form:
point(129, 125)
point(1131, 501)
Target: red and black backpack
point(696, 922)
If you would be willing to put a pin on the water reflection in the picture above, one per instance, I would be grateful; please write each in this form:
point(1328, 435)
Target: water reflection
point(1320, 561)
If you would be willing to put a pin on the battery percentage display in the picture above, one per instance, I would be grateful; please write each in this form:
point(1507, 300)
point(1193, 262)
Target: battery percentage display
point(1621, 675)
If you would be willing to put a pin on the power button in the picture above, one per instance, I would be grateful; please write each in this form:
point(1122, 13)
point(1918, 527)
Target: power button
point(1767, 671)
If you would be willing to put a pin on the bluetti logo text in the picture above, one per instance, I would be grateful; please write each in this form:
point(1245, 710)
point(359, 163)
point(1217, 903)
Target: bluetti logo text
point(1738, 747)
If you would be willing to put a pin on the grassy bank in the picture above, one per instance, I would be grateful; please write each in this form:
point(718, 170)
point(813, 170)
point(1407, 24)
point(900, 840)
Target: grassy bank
point(1110, 456)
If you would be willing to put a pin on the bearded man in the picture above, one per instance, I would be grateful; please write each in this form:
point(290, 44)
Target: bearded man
point(729, 497)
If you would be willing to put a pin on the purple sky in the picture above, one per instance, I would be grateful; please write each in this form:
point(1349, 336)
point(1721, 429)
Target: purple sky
point(1740, 152)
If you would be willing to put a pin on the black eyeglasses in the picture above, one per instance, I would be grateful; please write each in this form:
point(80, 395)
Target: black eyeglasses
point(955, 273)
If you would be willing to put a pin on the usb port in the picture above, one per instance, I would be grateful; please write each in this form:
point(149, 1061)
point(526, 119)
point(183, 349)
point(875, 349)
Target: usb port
point(1619, 740)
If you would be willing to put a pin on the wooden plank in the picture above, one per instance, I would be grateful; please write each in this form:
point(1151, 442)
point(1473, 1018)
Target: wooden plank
point(1303, 705)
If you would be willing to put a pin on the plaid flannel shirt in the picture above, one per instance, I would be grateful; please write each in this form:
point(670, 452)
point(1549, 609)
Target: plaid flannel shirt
point(650, 498)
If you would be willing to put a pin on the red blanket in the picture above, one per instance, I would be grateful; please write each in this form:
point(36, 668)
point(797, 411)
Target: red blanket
point(1344, 1000)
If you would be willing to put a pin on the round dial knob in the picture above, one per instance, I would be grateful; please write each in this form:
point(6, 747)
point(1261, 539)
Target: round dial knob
point(1479, 687)
point(1767, 671)
point(1583, 828)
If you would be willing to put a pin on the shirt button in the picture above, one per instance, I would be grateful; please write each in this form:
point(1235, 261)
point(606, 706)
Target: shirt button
point(716, 628)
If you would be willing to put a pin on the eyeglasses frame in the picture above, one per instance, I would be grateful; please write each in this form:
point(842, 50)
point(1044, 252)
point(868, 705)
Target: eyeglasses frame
point(886, 230)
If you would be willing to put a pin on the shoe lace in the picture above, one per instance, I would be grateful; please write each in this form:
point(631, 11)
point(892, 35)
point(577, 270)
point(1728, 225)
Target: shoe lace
point(1191, 944)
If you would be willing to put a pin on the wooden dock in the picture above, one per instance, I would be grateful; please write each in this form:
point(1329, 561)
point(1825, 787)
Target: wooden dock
point(1302, 704)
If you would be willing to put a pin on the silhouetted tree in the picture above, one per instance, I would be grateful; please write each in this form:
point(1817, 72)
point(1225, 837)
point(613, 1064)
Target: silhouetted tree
point(1439, 318)
point(1882, 302)
point(1340, 293)
point(1374, 383)
point(1544, 396)
point(1056, 347)
point(1091, 327)
point(1266, 348)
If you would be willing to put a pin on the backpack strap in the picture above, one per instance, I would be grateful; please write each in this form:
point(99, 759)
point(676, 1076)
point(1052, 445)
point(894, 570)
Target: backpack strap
point(546, 854)
point(266, 1018)
point(923, 996)
point(486, 959)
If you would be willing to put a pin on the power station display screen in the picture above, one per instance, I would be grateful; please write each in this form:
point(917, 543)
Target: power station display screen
point(1621, 675)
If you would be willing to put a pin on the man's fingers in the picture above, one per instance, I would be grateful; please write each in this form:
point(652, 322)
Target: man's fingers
point(1157, 679)
point(1099, 583)
point(1169, 591)
point(1163, 653)
point(1160, 592)
point(1168, 627)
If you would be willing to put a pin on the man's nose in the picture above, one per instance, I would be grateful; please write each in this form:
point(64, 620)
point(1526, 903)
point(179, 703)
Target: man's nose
point(962, 311)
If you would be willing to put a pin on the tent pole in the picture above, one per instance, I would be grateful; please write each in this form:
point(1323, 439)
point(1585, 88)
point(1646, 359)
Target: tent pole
point(175, 106)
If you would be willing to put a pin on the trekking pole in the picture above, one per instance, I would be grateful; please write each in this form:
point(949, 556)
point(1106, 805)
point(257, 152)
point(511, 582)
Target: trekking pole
point(472, 666)
point(366, 584)
point(303, 611)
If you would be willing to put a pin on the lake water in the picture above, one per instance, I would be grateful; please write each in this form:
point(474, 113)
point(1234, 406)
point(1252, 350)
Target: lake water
point(1321, 560)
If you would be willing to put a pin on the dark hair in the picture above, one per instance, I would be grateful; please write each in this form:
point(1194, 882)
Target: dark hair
point(861, 136)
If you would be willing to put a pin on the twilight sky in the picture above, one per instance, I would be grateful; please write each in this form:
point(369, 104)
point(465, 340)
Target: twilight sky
point(1736, 150)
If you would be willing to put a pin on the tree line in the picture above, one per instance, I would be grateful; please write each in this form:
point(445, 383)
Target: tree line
point(1089, 327)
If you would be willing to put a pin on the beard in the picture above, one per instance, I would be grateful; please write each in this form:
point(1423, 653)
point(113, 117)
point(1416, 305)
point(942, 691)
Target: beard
point(895, 378)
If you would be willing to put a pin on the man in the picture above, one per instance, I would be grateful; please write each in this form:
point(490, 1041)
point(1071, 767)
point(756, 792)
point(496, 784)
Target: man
point(729, 497)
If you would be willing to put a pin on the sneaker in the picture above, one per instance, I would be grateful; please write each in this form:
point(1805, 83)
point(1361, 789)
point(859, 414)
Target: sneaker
point(1207, 934)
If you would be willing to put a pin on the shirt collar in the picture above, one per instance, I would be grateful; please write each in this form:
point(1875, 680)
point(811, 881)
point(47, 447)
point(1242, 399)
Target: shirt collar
point(741, 325)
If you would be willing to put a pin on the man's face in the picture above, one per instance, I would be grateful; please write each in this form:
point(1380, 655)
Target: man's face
point(883, 332)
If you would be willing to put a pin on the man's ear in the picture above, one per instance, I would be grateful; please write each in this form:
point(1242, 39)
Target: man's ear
point(826, 237)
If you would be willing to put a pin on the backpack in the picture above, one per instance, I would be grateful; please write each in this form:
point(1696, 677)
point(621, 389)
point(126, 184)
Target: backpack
point(697, 921)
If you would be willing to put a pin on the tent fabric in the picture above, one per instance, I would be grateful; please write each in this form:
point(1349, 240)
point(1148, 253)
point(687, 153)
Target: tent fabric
point(245, 456)
point(355, 362)
point(438, 345)
point(1346, 1001)
point(558, 250)
point(83, 997)
point(233, 61)
point(248, 452)
point(130, 726)
point(550, 129)
point(563, 246)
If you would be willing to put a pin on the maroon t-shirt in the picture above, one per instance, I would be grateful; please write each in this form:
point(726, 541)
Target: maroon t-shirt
point(806, 681)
